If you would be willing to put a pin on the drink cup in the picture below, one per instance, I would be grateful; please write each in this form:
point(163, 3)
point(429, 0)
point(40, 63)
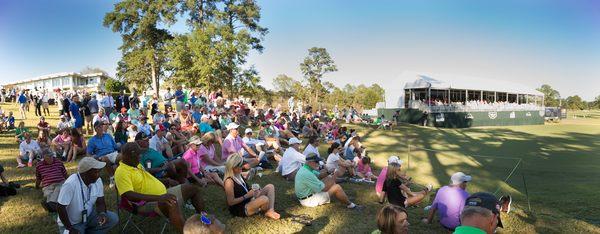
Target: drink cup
point(255, 186)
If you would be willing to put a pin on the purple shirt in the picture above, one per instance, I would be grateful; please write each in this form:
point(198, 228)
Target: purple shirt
point(232, 145)
point(449, 202)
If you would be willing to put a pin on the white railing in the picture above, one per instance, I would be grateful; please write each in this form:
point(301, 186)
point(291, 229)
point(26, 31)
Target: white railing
point(473, 106)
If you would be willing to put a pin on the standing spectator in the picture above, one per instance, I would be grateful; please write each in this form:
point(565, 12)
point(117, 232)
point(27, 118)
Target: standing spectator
point(66, 103)
point(81, 205)
point(154, 105)
point(312, 192)
point(108, 103)
point(75, 114)
point(179, 99)
point(93, 105)
point(22, 104)
point(37, 99)
point(45, 98)
point(167, 98)
point(134, 100)
point(480, 215)
point(449, 202)
point(87, 113)
point(122, 101)
point(50, 173)
point(28, 151)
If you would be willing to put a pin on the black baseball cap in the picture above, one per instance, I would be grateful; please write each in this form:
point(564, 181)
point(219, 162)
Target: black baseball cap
point(312, 157)
point(141, 136)
point(485, 200)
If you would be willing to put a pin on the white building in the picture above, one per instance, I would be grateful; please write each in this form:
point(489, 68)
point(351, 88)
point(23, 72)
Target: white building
point(93, 82)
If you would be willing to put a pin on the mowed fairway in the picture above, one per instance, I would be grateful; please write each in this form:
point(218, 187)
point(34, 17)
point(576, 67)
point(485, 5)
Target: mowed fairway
point(561, 166)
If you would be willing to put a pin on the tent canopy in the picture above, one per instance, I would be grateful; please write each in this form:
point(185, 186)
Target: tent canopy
point(437, 81)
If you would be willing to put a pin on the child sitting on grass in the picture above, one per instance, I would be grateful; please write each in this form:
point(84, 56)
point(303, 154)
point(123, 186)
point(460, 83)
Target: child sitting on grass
point(363, 169)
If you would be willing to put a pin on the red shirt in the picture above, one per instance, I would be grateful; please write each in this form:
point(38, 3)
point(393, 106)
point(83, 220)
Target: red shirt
point(54, 172)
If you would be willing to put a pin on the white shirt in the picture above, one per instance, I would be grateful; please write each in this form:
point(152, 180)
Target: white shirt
point(32, 146)
point(167, 98)
point(63, 125)
point(291, 161)
point(71, 197)
point(311, 149)
point(332, 161)
point(252, 141)
point(156, 143)
point(103, 119)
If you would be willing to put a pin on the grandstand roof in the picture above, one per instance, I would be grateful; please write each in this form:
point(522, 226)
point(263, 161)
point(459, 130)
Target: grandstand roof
point(438, 81)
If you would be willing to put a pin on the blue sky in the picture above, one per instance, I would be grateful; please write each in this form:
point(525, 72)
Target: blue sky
point(531, 42)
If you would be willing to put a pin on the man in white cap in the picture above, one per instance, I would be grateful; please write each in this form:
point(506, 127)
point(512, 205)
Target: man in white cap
point(233, 143)
point(81, 206)
point(63, 124)
point(292, 159)
point(450, 201)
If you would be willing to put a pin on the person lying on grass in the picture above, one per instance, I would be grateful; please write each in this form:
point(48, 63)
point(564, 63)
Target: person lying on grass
point(50, 174)
point(243, 200)
point(398, 193)
point(392, 219)
point(137, 185)
point(170, 171)
point(81, 206)
point(196, 173)
point(313, 192)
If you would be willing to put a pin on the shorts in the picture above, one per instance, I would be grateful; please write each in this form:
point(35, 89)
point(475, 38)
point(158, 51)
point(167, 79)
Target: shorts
point(51, 192)
point(316, 199)
point(22, 105)
point(27, 156)
point(153, 206)
point(112, 156)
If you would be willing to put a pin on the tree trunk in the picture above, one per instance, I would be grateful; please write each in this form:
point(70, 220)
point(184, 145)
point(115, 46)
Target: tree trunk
point(155, 81)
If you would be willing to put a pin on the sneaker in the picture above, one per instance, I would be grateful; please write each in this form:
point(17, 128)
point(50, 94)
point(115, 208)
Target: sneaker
point(30, 164)
point(505, 202)
point(357, 208)
point(355, 180)
point(21, 165)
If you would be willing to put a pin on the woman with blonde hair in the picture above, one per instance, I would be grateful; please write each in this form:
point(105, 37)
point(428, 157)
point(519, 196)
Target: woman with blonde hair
point(242, 200)
point(392, 219)
point(397, 191)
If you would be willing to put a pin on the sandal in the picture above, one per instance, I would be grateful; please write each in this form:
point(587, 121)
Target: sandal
point(302, 219)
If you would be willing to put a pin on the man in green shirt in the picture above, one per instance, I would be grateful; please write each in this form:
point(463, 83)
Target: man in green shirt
point(481, 215)
point(313, 192)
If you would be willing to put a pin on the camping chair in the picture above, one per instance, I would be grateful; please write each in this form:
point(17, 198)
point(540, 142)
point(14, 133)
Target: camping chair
point(130, 210)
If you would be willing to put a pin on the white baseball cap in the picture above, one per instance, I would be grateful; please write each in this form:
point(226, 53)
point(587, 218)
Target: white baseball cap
point(248, 130)
point(459, 177)
point(395, 159)
point(294, 140)
point(87, 163)
point(232, 126)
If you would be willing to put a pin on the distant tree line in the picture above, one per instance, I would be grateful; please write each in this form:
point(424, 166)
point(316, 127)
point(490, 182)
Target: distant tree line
point(552, 98)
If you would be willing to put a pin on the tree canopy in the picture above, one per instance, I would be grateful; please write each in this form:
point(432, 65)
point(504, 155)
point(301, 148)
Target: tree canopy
point(315, 65)
point(551, 96)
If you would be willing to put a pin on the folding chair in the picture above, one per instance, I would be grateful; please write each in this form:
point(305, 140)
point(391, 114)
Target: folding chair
point(130, 210)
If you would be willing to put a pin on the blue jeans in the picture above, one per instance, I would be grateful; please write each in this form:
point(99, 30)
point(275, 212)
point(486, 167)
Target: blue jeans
point(92, 226)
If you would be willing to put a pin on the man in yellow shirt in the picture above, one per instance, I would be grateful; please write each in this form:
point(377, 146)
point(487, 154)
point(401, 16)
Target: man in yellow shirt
point(136, 184)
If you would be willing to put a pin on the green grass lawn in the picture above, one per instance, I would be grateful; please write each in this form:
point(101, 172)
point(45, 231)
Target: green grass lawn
point(560, 163)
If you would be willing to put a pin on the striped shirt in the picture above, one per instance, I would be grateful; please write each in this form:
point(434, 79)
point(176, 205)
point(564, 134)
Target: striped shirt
point(54, 172)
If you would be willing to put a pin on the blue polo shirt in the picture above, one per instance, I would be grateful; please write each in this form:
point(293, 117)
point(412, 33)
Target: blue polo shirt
point(197, 116)
point(179, 95)
point(22, 98)
point(100, 146)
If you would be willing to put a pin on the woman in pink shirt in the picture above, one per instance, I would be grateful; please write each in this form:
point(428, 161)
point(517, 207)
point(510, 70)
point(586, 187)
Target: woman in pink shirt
point(206, 152)
point(199, 175)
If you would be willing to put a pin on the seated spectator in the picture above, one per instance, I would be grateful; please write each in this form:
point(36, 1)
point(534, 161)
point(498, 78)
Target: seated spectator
point(171, 171)
point(337, 165)
point(61, 144)
point(137, 185)
point(395, 189)
point(50, 173)
point(29, 150)
point(204, 125)
point(312, 146)
point(78, 145)
point(233, 143)
point(120, 134)
point(43, 140)
point(449, 202)
point(242, 199)
point(20, 132)
point(480, 215)
point(11, 120)
point(102, 117)
point(43, 125)
point(159, 142)
point(143, 125)
point(176, 138)
point(134, 114)
point(383, 174)
point(81, 206)
point(63, 123)
point(197, 173)
point(292, 160)
point(207, 154)
point(132, 131)
point(363, 169)
point(392, 219)
point(312, 192)
point(102, 147)
point(158, 118)
point(202, 224)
